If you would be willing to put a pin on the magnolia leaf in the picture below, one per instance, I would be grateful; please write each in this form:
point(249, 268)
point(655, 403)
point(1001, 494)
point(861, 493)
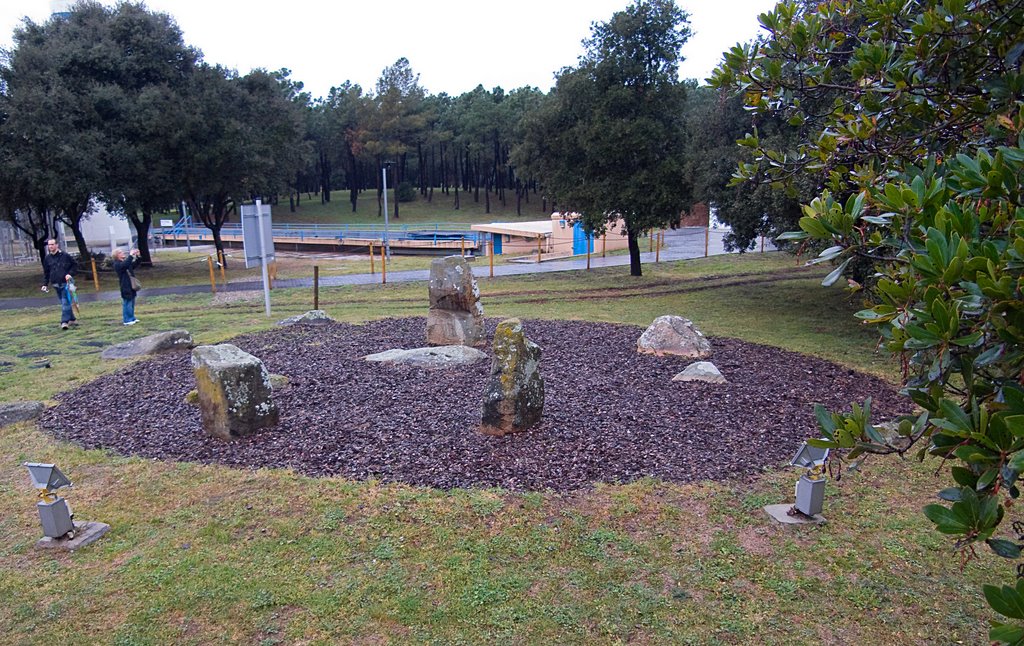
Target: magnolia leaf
point(1004, 548)
point(835, 274)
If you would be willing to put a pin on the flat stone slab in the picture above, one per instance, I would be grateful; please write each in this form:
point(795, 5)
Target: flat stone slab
point(14, 412)
point(152, 344)
point(781, 514)
point(312, 317)
point(432, 357)
point(86, 532)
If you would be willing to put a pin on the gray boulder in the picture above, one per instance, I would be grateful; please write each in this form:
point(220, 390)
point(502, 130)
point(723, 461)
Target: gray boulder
point(312, 317)
point(434, 357)
point(701, 371)
point(514, 399)
point(152, 344)
point(14, 412)
point(674, 335)
point(456, 316)
point(234, 391)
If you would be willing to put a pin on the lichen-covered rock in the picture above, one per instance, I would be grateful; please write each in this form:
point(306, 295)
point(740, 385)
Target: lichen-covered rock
point(676, 336)
point(14, 412)
point(434, 357)
point(445, 327)
point(152, 344)
point(234, 391)
point(701, 371)
point(312, 317)
point(456, 316)
point(514, 399)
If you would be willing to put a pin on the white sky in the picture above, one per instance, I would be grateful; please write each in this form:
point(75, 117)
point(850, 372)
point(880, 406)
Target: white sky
point(452, 44)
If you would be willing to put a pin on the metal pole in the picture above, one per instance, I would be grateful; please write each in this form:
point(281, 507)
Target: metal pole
point(387, 244)
point(263, 256)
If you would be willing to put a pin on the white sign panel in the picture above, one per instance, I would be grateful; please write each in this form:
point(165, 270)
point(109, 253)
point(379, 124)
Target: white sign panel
point(251, 238)
point(167, 223)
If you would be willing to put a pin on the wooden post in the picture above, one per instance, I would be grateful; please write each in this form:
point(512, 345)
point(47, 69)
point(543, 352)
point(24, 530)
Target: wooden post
point(213, 282)
point(604, 243)
point(588, 253)
point(223, 274)
point(707, 238)
point(383, 267)
point(316, 287)
point(272, 273)
point(371, 259)
point(762, 244)
point(657, 248)
point(491, 256)
point(462, 245)
point(538, 248)
point(650, 241)
point(95, 276)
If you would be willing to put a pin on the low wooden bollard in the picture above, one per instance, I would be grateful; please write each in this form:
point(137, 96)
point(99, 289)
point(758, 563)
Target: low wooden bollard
point(383, 267)
point(462, 246)
point(707, 239)
point(223, 269)
point(316, 287)
point(95, 275)
point(213, 281)
point(491, 257)
point(657, 248)
point(371, 259)
point(604, 243)
point(588, 255)
point(538, 249)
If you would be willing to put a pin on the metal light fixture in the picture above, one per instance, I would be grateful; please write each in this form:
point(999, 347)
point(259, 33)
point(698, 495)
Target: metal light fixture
point(54, 512)
point(810, 488)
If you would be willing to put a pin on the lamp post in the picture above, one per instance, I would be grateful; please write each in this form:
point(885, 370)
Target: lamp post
point(387, 244)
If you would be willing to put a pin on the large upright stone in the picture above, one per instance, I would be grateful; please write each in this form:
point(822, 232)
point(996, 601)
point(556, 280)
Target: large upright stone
point(676, 336)
point(514, 399)
point(234, 391)
point(456, 316)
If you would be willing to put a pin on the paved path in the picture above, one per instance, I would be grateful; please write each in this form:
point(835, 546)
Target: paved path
point(680, 244)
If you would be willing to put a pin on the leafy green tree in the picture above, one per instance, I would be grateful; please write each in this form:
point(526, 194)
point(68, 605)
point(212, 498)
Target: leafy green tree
point(397, 121)
point(610, 142)
point(913, 121)
point(235, 137)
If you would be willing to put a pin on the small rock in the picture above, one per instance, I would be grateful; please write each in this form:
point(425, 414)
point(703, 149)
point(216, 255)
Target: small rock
point(701, 371)
point(234, 391)
point(676, 336)
point(152, 344)
point(14, 412)
point(312, 317)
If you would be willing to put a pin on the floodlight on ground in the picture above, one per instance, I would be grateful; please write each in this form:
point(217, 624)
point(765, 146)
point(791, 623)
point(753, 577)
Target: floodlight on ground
point(810, 488)
point(54, 513)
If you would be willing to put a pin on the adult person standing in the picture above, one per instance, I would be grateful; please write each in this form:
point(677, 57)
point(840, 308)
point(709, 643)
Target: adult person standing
point(58, 268)
point(124, 268)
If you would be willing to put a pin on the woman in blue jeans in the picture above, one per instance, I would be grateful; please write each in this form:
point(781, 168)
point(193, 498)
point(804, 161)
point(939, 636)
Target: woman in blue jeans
point(124, 267)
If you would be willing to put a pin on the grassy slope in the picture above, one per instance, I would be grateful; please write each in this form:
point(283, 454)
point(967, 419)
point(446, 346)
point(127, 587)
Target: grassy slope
point(200, 554)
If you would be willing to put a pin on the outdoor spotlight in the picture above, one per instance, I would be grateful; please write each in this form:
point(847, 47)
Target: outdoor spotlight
point(54, 513)
point(810, 488)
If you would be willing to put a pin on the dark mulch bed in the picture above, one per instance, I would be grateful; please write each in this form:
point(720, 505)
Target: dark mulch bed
point(611, 415)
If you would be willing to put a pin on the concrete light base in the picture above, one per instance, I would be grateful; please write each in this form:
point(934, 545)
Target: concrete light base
point(85, 533)
point(781, 514)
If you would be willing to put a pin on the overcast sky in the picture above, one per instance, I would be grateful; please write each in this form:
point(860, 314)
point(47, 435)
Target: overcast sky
point(453, 45)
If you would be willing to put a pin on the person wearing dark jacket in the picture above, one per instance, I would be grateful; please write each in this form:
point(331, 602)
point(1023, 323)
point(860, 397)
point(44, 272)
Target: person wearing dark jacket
point(124, 268)
point(58, 268)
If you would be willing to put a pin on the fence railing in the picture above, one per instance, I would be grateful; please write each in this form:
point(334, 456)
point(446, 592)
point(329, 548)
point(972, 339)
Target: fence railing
point(433, 232)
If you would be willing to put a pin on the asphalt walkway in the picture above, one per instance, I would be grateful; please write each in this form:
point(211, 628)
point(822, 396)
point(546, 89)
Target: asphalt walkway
point(680, 244)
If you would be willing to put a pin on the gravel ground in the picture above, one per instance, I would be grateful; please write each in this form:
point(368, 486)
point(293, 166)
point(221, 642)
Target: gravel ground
point(611, 414)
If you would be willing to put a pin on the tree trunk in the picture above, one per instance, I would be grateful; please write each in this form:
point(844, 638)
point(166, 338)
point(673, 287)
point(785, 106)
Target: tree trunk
point(634, 253)
point(142, 242)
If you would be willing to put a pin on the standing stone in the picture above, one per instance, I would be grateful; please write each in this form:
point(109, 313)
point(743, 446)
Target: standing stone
point(234, 391)
point(456, 316)
point(514, 399)
point(676, 336)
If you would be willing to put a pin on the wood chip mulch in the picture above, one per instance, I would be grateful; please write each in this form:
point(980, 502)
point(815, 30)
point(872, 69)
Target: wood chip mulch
point(611, 414)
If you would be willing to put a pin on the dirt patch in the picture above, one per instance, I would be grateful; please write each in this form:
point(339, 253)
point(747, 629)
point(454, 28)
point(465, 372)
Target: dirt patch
point(611, 415)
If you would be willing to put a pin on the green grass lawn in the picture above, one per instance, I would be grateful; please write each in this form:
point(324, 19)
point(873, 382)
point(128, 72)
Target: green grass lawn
point(201, 554)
